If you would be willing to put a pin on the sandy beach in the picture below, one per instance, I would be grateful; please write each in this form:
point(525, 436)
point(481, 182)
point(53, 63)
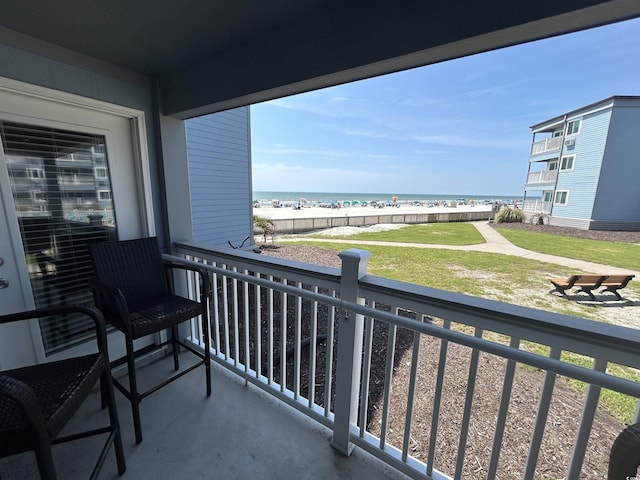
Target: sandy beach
point(287, 213)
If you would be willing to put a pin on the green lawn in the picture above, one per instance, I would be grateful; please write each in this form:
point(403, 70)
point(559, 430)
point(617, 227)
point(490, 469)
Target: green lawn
point(432, 233)
point(616, 254)
point(488, 275)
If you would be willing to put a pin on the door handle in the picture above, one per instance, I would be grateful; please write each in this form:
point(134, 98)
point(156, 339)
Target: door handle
point(4, 283)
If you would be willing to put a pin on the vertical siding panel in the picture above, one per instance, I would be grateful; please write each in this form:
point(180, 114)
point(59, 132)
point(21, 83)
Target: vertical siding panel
point(218, 148)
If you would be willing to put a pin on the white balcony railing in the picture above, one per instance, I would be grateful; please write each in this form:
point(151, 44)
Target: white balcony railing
point(543, 176)
point(275, 323)
point(536, 206)
point(547, 145)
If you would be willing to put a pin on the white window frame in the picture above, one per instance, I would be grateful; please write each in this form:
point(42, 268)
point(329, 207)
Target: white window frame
point(570, 123)
point(553, 165)
point(35, 173)
point(100, 193)
point(562, 161)
point(38, 196)
point(547, 196)
point(101, 173)
point(557, 194)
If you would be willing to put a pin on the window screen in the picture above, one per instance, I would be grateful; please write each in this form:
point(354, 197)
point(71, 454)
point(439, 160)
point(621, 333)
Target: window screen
point(62, 195)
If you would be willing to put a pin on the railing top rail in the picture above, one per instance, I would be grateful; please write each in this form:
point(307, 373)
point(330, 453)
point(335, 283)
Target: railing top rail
point(275, 266)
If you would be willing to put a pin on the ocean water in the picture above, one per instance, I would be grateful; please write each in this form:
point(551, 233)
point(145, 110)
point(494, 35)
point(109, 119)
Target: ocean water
point(265, 196)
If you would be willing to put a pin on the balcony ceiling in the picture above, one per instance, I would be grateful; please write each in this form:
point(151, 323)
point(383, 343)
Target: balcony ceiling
point(209, 55)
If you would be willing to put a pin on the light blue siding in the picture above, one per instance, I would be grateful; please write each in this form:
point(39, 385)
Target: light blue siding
point(218, 147)
point(618, 196)
point(582, 181)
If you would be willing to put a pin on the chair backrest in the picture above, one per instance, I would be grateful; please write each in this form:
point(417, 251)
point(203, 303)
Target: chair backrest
point(133, 266)
point(622, 280)
point(590, 279)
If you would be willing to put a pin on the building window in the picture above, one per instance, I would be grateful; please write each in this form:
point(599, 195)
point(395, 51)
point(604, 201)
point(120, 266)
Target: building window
point(546, 196)
point(35, 173)
point(553, 166)
point(57, 219)
point(101, 172)
point(104, 195)
point(561, 197)
point(566, 163)
point(38, 196)
point(573, 127)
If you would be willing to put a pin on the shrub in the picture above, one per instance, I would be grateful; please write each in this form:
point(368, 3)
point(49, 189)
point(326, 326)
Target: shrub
point(510, 215)
point(264, 226)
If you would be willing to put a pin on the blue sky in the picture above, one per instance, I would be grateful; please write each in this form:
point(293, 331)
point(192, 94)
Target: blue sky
point(459, 127)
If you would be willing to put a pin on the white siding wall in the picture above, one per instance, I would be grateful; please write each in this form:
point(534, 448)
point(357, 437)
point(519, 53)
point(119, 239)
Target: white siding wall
point(218, 148)
point(618, 197)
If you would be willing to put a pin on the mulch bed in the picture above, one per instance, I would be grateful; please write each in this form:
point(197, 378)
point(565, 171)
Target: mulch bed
point(608, 236)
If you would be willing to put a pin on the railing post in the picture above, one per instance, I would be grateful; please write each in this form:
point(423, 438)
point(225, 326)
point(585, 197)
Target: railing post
point(349, 350)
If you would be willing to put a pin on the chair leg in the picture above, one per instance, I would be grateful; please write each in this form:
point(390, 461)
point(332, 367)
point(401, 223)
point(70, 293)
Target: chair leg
point(207, 350)
point(107, 386)
point(134, 397)
point(46, 466)
point(175, 347)
point(103, 394)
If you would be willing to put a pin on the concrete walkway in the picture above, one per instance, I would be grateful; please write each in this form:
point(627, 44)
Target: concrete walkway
point(496, 243)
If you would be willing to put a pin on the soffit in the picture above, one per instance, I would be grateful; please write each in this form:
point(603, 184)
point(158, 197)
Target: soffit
point(209, 55)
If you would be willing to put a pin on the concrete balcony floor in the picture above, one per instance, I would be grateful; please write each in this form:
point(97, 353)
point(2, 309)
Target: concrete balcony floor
point(237, 433)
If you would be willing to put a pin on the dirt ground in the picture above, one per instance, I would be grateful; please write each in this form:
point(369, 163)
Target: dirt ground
point(560, 430)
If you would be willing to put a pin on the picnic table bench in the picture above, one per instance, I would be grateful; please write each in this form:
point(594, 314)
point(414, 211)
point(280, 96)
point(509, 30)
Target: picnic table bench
point(589, 282)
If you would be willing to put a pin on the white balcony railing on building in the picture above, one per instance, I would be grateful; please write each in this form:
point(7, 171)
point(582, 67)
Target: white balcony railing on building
point(76, 180)
point(536, 206)
point(543, 176)
point(276, 324)
point(547, 145)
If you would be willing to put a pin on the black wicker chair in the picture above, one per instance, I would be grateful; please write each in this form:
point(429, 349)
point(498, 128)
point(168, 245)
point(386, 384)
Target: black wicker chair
point(624, 459)
point(37, 401)
point(133, 288)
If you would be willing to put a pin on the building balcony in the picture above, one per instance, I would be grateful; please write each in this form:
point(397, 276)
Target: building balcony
point(536, 206)
point(543, 177)
point(547, 145)
point(320, 372)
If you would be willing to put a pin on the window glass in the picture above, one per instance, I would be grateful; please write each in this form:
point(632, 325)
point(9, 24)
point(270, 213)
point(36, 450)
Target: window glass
point(567, 162)
point(561, 197)
point(62, 194)
point(553, 165)
point(573, 127)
